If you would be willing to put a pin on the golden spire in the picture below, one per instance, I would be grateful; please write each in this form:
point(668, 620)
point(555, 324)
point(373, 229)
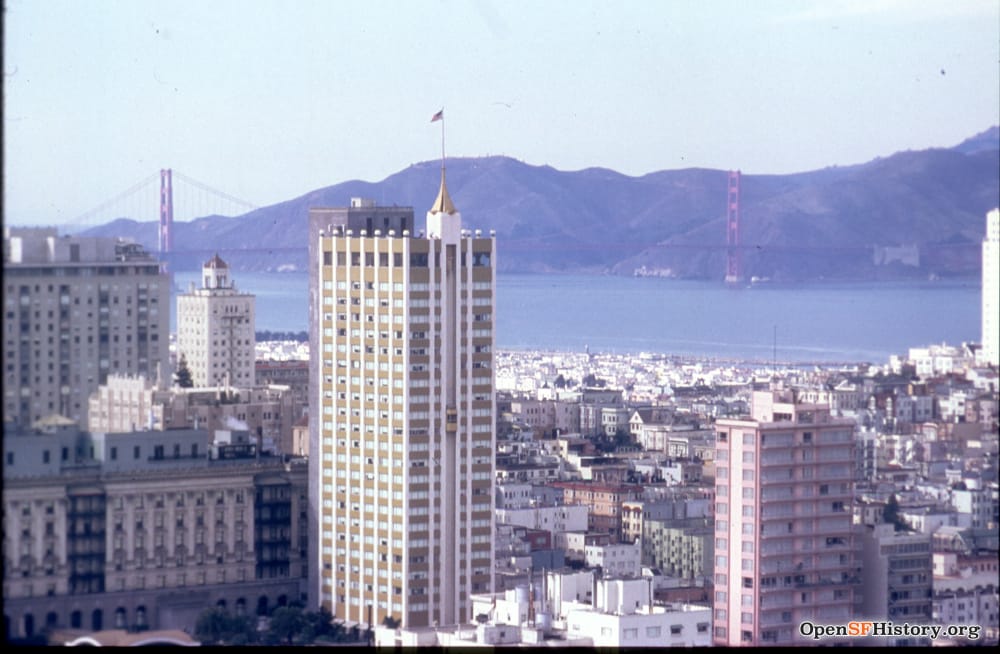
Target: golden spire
point(443, 203)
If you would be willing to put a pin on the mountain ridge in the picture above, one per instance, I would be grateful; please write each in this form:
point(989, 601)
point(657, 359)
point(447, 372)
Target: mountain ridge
point(912, 214)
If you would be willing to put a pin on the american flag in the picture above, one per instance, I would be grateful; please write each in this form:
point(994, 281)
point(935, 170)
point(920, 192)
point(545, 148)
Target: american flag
point(438, 116)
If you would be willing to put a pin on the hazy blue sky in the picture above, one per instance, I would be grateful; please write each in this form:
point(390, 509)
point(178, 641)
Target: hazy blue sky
point(269, 100)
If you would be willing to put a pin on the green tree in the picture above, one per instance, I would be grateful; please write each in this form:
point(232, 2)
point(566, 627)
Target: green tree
point(183, 375)
point(212, 626)
point(286, 623)
point(216, 626)
point(622, 438)
point(319, 625)
point(890, 515)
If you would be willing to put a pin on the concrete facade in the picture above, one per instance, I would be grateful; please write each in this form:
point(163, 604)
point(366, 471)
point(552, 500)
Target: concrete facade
point(136, 403)
point(784, 548)
point(215, 329)
point(990, 352)
point(145, 530)
point(77, 309)
point(402, 416)
point(899, 575)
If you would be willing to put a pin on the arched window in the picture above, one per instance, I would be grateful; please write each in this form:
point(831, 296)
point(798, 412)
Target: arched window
point(140, 617)
point(51, 620)
point(97, 620)
point(75, 620)
point(120, 618)
point(262, 605)
point(241, 607)
point(29, 625)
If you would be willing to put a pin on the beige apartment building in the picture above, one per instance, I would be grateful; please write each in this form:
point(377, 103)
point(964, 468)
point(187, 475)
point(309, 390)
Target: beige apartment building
point(76, 309)
point(215, 329)
point(784, 545)
point(402, 413)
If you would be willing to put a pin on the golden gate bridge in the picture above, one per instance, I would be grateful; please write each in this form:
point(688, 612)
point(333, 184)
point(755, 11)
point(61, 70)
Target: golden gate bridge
point(163, 197)
point(165, 202)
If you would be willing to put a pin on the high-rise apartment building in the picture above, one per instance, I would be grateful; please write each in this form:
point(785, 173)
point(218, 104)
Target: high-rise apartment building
point(75, 310)
point(991, 289)
point(784, 551)
point(215, 329)
point(402, 413)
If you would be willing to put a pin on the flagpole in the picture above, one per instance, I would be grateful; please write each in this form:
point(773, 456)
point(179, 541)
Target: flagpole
point(442, 140)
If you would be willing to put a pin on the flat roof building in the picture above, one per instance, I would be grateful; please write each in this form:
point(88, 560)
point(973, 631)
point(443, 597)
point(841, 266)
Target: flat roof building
point(784, 549)
point(77, 309)
point(402, 413)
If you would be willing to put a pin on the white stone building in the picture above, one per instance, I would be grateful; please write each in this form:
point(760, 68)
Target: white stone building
point(215, 329)
point(990, 352)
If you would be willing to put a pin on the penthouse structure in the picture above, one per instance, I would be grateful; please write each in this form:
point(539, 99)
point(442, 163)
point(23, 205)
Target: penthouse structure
point(784, 550)
point(402, 413)
point(76, 309)
point(215, 329)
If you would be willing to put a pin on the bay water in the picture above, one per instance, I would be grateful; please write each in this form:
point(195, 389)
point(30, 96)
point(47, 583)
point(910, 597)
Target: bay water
point(817, 322)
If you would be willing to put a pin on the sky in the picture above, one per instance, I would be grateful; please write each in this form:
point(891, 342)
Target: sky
point(268, 100)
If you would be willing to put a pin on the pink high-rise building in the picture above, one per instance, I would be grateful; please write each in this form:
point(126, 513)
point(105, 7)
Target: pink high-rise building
point(784, 551)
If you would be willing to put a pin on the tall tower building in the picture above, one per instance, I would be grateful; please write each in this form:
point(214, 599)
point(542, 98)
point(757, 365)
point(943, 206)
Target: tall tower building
point(991, 289)
point(75, 310)
point(402, 413)
point(784, 551)
point(215, 329)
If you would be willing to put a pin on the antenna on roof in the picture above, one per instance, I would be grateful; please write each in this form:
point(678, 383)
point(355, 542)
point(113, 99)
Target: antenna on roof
point(774, 351)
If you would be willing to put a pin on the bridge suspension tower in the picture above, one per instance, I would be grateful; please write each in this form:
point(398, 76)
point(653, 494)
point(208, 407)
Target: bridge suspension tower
point(734, 254)
point(166, 239)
